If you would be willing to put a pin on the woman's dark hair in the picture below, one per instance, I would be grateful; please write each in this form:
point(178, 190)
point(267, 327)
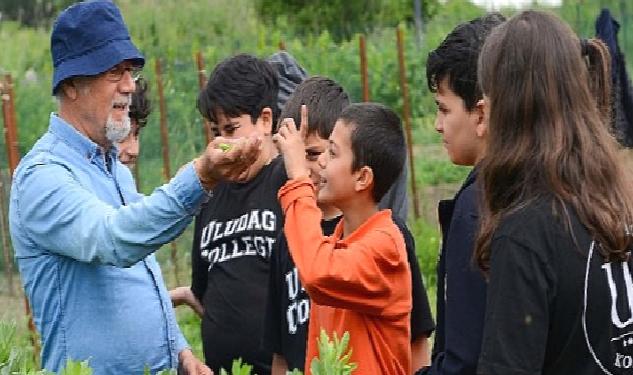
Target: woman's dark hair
point(547, 132)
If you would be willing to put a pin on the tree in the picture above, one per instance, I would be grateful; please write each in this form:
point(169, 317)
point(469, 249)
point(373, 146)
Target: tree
point(32, 12)
point(341, 18)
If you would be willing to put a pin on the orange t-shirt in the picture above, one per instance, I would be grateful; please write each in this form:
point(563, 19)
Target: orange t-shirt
point(360, 284)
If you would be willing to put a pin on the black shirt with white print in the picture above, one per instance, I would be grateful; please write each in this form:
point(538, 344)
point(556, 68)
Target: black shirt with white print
point(288, 304)
point(555, 306)
point(233, 239)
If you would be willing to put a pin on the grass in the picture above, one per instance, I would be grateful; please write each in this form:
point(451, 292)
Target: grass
point(16, 354)
point(12, 305)
point(181, 32)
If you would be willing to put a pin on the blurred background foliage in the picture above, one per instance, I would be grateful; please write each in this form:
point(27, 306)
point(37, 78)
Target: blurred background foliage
point(323, 37)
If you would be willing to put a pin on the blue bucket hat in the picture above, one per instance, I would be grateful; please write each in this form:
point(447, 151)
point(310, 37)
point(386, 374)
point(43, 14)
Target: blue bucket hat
point(89, 38)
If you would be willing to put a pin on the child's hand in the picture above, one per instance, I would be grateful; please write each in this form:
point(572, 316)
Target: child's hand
point(290, 143)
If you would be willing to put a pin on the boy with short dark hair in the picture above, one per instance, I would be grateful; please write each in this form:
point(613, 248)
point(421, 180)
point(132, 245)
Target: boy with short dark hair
point(461, 289)
point(140, 108)
point(358, 279)
point(240, 99)
point(237, 228)
point(288, 303)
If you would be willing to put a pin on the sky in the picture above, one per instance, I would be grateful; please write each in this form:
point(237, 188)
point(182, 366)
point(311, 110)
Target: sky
point(496, 4)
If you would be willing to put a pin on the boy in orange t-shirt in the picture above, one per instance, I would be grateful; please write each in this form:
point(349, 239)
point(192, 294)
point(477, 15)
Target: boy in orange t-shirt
point(358, 279)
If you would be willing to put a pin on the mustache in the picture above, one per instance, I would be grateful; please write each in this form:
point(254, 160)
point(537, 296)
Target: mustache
point(123, 100)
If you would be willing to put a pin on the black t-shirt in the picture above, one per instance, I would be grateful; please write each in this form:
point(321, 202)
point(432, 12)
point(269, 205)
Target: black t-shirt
point(233, 239)
point(288, 304)
point(554, 306)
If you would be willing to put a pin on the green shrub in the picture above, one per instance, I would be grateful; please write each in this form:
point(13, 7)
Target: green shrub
point(427, 243)
point(435, 172)
point(16, 356)
point(333, 356)
point(76, 368)
point(238, 368)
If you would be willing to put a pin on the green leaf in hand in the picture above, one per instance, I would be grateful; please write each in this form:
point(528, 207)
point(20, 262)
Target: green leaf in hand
point(225, 146)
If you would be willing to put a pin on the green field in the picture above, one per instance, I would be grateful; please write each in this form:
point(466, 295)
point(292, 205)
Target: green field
point(166, 30)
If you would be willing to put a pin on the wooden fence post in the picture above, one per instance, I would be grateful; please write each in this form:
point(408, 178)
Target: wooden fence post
point(202, 81)
point(13, 156)
point(8, 259)
point(406, 114)
point(6, 249)
point(11, 135)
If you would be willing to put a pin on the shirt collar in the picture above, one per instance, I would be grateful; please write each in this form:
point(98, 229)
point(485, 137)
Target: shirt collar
point(371, 223)
point(71, 136)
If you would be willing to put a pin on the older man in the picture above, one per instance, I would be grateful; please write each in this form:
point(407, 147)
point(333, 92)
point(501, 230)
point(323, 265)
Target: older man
point(83, 236)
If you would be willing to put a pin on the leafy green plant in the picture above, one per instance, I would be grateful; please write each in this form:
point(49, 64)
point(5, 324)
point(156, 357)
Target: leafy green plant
point(427, 243)
point(333, 356)
point(15, 356)
point(238, 368)
point(76, 368)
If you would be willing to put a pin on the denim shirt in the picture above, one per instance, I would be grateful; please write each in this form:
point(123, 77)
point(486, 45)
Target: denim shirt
point(84, 240)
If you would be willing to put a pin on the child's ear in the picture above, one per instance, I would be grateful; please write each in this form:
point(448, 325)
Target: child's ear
point(482, 125)
point(267, 120)
point(364, 178)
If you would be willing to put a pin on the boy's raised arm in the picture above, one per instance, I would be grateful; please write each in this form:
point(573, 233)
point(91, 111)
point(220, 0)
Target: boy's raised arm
point(357, 276)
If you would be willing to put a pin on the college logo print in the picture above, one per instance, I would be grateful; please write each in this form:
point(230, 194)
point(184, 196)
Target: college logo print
point(617, 277)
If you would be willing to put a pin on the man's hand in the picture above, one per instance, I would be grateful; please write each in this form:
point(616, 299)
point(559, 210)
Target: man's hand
point(227, 159)
point(192, 365)
point(291, 144)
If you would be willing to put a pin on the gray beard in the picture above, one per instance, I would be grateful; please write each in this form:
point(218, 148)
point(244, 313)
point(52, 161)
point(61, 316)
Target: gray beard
point(116, 131)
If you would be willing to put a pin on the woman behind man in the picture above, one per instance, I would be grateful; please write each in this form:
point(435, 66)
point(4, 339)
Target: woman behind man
point(555, 238)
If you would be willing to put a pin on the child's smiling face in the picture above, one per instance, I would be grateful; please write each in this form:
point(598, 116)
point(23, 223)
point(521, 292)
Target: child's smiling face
point(338, 180)
point(315, 146)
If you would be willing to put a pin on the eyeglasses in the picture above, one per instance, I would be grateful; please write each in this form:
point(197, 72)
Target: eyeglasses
point(115, 74)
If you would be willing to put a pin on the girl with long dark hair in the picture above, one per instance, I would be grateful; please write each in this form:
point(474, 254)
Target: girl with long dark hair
point(557, 206)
